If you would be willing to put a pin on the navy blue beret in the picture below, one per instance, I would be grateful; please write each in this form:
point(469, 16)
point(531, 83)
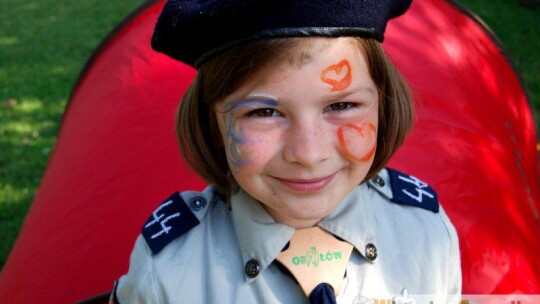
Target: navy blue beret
point(194, 30)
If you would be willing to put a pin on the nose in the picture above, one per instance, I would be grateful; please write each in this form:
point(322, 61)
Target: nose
point(307, 143)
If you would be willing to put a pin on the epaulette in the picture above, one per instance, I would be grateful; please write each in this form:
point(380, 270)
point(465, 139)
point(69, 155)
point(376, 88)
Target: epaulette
point(405, 189)
point(173, 218)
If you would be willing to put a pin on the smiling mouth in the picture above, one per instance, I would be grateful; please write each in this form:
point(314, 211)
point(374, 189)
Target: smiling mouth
point(306, 185)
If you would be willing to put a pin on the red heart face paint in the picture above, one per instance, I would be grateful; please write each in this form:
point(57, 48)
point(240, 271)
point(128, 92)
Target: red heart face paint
point(339, 75)
point(358, 143)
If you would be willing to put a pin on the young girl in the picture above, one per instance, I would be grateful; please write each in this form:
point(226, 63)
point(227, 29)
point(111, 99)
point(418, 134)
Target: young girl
point(292, 117)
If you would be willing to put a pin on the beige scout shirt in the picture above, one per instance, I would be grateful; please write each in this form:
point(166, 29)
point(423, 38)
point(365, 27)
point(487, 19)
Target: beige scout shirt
point(229, 257)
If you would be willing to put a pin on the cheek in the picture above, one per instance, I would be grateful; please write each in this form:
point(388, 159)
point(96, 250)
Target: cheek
point(358, 142)
point(247, 150)
point(234, 138)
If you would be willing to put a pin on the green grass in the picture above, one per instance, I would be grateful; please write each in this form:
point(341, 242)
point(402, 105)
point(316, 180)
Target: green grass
point(44, 44)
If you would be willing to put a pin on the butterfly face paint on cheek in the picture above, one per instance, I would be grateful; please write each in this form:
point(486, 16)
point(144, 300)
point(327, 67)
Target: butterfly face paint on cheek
point(358, 143)
point(236, 136)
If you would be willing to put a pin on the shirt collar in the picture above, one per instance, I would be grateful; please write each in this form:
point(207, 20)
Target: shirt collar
point(260, 237)
point(353, 220)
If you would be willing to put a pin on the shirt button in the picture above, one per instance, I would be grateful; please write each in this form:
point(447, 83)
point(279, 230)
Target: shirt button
point(379, 181)
point(197, 203)
point(371, 252)
point(252, 268)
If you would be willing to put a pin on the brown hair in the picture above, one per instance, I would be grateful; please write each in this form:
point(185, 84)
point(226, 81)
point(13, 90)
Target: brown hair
point(198, 134)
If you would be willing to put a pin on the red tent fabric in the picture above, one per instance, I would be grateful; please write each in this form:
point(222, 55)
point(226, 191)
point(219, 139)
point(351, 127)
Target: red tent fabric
point(116, 157)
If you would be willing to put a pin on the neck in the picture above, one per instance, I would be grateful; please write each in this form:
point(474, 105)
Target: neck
point(297, 223)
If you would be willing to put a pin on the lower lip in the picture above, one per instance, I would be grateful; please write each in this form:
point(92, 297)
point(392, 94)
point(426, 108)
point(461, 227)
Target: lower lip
point(313, 186)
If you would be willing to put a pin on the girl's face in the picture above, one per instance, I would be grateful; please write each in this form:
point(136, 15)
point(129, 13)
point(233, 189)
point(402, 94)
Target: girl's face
point(303, 135)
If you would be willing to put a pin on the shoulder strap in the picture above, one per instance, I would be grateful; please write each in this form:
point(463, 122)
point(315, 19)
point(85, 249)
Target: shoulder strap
point(405, 189)
point(170, 220)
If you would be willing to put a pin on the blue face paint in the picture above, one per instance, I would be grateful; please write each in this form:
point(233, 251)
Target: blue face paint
point(250, 103)
point(235, 132)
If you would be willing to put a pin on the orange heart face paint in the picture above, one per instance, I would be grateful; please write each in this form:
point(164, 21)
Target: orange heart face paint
point(339, 76)
point(358, 143)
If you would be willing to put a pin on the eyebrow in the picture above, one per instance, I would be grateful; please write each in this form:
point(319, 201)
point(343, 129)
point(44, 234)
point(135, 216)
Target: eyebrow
point(252, 101)
point(365, 91)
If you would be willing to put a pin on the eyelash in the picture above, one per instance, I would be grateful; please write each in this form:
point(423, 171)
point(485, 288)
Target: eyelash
point(258, 112)
point(348, 106)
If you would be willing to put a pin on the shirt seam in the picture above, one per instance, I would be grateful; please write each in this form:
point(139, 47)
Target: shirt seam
point(450, 248)
point(150, 269)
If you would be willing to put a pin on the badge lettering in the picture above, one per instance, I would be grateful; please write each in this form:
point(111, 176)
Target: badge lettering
point(313, 257)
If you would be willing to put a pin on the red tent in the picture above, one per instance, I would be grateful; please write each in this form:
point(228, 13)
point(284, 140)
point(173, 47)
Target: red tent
point(116, 157)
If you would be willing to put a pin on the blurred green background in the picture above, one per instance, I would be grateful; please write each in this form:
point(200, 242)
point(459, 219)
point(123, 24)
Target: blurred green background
point(44, 44)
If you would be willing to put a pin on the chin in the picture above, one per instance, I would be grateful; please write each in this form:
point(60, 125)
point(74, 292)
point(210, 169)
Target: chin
point(314, 211)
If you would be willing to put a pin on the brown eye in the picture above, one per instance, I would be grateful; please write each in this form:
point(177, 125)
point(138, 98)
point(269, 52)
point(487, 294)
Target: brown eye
point(266, 112)
point(340, 106)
